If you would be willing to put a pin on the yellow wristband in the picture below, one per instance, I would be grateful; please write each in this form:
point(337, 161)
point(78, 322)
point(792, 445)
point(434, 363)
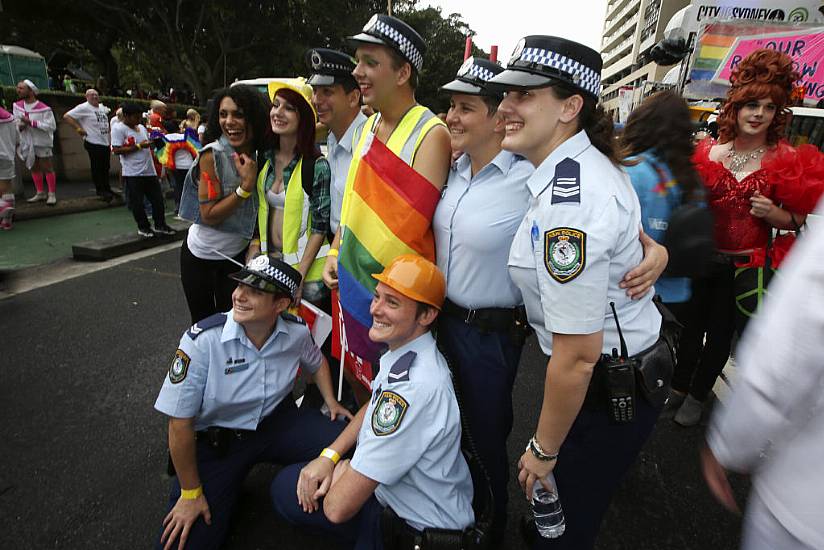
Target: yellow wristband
point(331, 455)
point(191, 494)
point(242, 193)
point(333, 252)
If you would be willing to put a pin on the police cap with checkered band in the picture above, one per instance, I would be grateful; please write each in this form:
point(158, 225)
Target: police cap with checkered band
point(329, 67)
point(394, 33)
point(269, 275)
point(539, 61)
point(472, 78)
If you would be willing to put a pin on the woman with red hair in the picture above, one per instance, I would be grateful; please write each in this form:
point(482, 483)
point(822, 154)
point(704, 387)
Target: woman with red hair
point(293, 190)
point(756, 183)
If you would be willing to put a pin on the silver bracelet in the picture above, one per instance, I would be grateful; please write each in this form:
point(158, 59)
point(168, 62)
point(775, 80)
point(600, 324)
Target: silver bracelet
point(538, 452)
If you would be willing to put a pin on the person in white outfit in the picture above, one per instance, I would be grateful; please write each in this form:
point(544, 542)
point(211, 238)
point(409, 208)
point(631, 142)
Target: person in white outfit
point(773, 423)
point(9, 137)
point(36, 123)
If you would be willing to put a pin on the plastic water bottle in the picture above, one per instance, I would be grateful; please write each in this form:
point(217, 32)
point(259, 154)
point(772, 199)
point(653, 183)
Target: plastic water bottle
point(546, 507)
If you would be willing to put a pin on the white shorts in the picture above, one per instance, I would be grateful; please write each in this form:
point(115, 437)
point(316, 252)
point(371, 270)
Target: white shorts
point(6, 169)
point(42, 152)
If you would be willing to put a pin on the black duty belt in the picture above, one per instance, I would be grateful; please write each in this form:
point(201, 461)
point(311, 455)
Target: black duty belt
point(490, 319)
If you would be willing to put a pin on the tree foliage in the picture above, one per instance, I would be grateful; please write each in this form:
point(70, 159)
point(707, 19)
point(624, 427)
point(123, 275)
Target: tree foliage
point(203, 44)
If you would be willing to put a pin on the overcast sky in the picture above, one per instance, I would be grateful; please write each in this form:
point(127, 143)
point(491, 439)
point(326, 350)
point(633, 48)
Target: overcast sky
point(505, 22)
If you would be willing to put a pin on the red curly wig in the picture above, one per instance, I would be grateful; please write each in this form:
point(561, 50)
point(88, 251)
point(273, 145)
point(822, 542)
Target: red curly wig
point(763, 73)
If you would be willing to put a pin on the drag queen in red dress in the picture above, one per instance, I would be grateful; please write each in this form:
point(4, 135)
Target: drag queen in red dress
point(756, 183)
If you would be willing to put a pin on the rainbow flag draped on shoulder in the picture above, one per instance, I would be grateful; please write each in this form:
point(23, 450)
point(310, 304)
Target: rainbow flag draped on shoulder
point(388, 212)
point(165, 146)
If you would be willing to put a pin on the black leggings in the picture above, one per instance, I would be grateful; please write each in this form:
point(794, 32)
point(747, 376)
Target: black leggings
point(710, 311)
point(206, 283)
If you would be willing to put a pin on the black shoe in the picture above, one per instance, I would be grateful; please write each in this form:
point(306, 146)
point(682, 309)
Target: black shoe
point(106, 197)
point(164, 230)
point(145, 233)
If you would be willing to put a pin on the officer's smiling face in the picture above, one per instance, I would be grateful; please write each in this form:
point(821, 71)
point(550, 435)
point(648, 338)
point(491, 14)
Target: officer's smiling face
point(394, 317)
point(250, 305)
point(334, 104)
point(375, 74)
point(536, 123)
point(470, 124)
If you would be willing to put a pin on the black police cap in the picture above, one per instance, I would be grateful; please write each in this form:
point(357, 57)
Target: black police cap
point(540, 61)
point(269, 275)
point(329, 67)
point(472, 78)
point(394, 33)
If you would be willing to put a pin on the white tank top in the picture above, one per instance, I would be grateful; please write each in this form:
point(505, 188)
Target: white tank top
point(276, 200)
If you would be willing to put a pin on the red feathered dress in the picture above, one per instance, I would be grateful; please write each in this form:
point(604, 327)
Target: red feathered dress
point(792, 177)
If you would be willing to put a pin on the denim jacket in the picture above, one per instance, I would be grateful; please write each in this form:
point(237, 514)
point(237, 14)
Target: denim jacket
point(243, 220)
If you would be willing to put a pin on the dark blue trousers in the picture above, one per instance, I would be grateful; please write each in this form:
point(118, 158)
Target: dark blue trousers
point(362, 532)
point(486, 364)
point(593, 459)
point(286, 436)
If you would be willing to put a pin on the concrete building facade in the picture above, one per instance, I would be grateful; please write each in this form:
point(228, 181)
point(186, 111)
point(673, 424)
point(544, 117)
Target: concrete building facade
point(631, 29)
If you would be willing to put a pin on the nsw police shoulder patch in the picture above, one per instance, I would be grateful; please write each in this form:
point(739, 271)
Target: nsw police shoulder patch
point(564, 253)
point(179, 368)
point(388, 413)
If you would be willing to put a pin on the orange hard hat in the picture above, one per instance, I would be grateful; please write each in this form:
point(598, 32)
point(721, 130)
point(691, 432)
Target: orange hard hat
point(415, 277)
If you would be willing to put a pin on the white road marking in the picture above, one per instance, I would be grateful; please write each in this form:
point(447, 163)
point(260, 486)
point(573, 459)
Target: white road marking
point(44, 275)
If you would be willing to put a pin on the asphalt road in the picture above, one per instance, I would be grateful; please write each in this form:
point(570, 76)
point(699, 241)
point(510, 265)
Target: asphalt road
point(82, 452)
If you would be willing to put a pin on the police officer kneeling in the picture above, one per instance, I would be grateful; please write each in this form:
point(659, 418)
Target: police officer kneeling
point(407, 485)
point(228, 396)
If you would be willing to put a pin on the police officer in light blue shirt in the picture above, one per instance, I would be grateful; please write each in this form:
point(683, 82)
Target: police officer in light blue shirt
point(337, 98)
point(578, 239)
point(483, 324)
point(408, 467)
point(227, 395)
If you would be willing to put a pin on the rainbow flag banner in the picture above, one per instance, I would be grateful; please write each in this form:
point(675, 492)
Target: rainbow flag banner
point(165, 147)
point(714, 45)
point(390, 213)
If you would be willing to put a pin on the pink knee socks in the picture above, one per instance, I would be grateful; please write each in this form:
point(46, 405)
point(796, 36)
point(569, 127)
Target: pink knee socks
point(51, 181)
point(38, 181)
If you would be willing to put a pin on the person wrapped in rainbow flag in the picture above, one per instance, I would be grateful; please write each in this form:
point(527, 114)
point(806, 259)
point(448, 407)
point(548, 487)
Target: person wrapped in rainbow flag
point(176, 152)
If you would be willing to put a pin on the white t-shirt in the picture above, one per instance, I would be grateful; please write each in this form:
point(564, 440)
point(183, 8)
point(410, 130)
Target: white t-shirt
point(203, 240)
point(136, 163)
point(94, 120)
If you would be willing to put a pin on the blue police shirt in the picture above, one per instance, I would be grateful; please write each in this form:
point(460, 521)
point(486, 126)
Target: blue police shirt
point(474, 225)
point(659, 194)
point(339, 155)
point(220, 378)
point(410, 440)
point(579, 237)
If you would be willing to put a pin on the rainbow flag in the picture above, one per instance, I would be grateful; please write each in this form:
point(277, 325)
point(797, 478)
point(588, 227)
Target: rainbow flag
point(715, 41)
point(165, 148)
point(390, 213)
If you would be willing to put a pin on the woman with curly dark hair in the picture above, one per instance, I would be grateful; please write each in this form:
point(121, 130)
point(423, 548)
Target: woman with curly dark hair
point(656, 149)
point(219, 198)
point(756, 183)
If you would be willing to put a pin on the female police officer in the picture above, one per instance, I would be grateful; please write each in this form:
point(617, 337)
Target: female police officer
point(484, 202)
point(578, 238)
point(228, 398)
